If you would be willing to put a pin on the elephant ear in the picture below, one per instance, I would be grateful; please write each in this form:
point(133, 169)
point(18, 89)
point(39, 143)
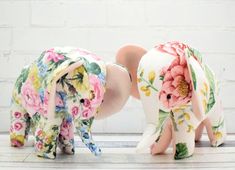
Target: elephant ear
point(117, 90)
point(203, 82)
point(130, 56)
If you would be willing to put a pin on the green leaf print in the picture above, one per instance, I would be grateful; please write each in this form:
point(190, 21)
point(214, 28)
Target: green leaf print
point(195, 53)
point(162, 117)
point(22, 78)
point(193, 77)
point(94, 68)
point(220, 125)
point(211, 101)
point(161, 77)
point(211, 80)
point(173, 121)
point(181, 151)
point(210, 76)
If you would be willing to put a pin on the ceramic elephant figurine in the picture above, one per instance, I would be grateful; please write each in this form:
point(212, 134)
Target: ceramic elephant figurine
point(179, 93)
point(65, 89)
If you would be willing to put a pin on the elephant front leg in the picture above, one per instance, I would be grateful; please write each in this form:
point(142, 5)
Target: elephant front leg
point(184, 125)
point(163, 140)
point(46, 135)
point(20, 125)
point(83, 128)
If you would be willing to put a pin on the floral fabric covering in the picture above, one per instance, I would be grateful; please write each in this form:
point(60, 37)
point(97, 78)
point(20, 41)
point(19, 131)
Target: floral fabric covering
point(172, 80)
point(59, 92)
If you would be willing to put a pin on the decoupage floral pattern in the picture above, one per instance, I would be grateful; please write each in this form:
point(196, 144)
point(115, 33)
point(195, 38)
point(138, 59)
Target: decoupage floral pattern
point(79, 93)
point(174, 85)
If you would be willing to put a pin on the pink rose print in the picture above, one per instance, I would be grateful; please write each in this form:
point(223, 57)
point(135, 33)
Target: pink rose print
point(44, 106)
point(75, 111)
point(87, 103)
point(18, 126)
point(30, 97)
point(59, 101)
point(39, 145)
point(51, 55)
point(174, 48)
point(16, 143)
point(87, 113)
point(84, 52)
point(39, 133)
point(97, 89)
point(17, 115)
point(11, 129)
point(66, 130)
point(176, 87)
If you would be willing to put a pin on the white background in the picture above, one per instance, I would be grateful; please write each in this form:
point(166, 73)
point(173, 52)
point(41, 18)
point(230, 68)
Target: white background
point(27, 27)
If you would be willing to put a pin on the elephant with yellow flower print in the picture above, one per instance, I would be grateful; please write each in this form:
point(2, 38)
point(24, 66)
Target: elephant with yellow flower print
point(180, 97)
point(64, 90)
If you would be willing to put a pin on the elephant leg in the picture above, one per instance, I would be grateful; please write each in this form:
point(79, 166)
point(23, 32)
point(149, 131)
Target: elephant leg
point(163, 140)
point(184, 125)
point(46, 135)
point(66, 136)
point(199, 131)
point(20, 125)
point(215, 125)
point(83, 128)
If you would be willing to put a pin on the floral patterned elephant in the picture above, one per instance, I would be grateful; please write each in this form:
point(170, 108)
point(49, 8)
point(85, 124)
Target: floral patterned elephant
point(180, 96)
point(65, 89)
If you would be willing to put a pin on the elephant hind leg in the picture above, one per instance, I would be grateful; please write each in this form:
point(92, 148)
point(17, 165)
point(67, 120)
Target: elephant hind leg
point(20, 125)
point(199, 131)
point(66, 136)
point(215, 125)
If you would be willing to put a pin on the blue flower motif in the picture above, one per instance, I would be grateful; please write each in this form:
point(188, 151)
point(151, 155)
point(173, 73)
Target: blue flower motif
point(101, 77)
point(42, 68)
point(62, 107)
point(69, 119)
point(41, 95)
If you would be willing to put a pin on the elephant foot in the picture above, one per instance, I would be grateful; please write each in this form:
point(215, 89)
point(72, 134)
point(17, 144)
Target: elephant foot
point(17, 141)
point(51, 155)
point(181, 151)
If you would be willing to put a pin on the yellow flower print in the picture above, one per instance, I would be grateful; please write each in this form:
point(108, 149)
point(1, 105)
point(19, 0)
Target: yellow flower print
point(33, 75)
point(218, 135)
point(146, 90)
point(205, 87)
point(180, 122)
point(48, 139)
point(190, 128)
point(204, 92)
point(16, 97)
point(179, 109)
point(204, 104)
point(149, 83)
point(16, 137)
point(140, 76)
point(151, 76)
point(186, 116)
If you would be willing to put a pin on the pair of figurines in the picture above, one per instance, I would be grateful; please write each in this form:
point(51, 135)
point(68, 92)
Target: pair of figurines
point(66, 89)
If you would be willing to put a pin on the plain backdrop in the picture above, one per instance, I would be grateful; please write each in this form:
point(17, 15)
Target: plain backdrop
point(27, 27)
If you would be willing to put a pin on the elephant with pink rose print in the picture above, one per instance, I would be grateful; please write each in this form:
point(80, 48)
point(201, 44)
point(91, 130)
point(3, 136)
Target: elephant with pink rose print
point(180, 96)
